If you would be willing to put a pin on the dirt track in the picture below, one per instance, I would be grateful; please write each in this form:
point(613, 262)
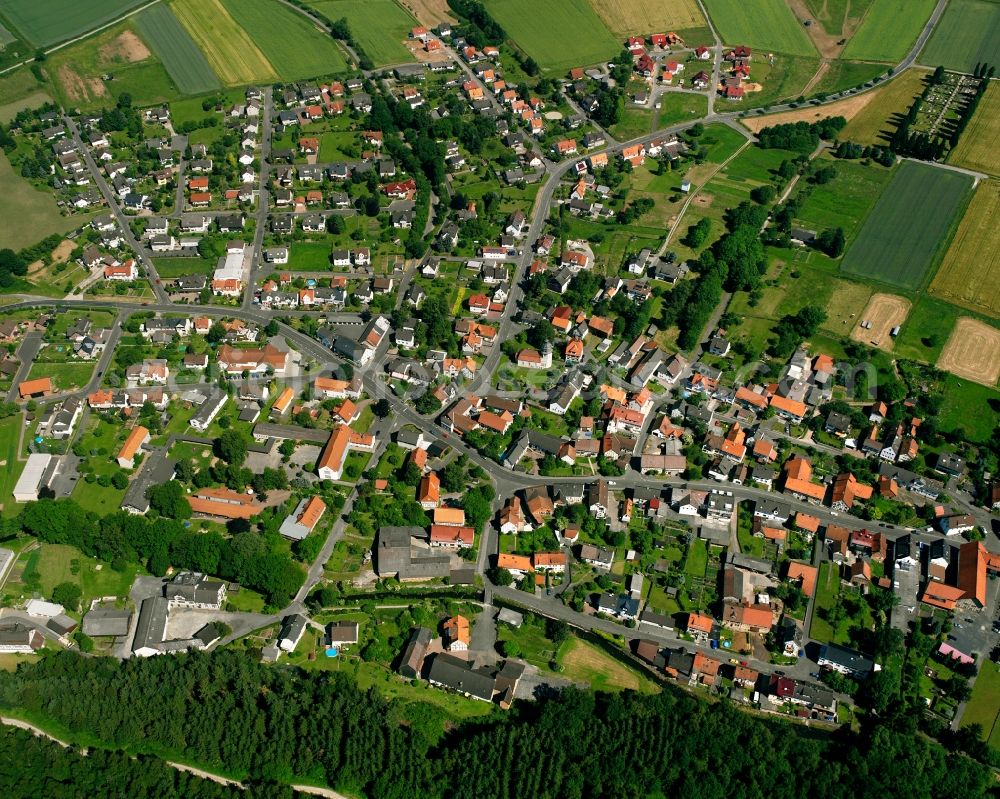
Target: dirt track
point(884, 312)
point(972, 352)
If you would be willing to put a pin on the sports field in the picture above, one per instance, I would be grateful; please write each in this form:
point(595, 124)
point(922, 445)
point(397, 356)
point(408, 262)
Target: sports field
point(184, 62)
point(977, 147)
point(582, 37)
point(294, 47)
point(229, 49)
point(379, 26)
point(904, 232)
point(970, 272)
point(764, 24)
point(969, 32)
point(889, 30)
point(627, 17)
point(879, 111)
point(46, 23)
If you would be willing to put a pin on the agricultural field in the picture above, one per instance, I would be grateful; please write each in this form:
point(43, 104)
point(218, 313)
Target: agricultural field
point(846, 200)
point(968, 33)
point(583, 38)
point(181, 57)
point(764, 25)
point(901, 238)
point(874, 121)
point(637, 17)
point(27, 214)
point(972, 352)
point(379, 26)
point(889, 30)
point(970, 272)
point(231, 52)
point(20, 89)
point(977, 146)
point(429, 12)
point(77, 72)
point(839, 18)
point(881, 315)
point(45, 24)
point(926, 329)
point(287, 39)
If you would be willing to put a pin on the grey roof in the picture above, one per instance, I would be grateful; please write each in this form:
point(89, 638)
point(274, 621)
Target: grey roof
point(342, 632)
point(156, 469)
point(847, 658)
point(106, 621)
point(457, 674)
point(152, 625)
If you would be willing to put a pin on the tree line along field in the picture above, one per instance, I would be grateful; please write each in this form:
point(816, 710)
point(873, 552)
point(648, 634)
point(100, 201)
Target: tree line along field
point(977, 148)
point(889, 29)
point(763, 24)
point(379, 26)
point(293, 45)
point(967, 33)
point(46, 23)
point(558, 34)
point(181, 56)
point(880, 111)
point(908, 226)
point(229, 49)
point(970, 272)
point(637, 17)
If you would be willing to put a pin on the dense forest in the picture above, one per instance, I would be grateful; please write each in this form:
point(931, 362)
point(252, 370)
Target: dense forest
point(31, 767)
point(230, 714)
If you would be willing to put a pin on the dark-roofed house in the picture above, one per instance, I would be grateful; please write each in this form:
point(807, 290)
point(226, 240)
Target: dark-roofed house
point(455, 674)
point(106, 621)
point(412, 661)
point(846, 661)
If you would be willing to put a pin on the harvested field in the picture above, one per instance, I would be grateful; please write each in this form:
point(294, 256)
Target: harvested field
point(181, 56)
point(883, 312)
point(126, 47)
point(875, 121)
point(847, 109)
point(977, 147)
point(970, 272)
point(229, 49)
point(842, 307)
point(973, 352)
point(429, 12)
point(637, 17)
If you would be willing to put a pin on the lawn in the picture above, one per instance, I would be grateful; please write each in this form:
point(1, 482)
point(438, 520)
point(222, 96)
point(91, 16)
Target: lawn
point(27, 214)
point(765, 25)
point(889, 30)
point(976, 148)
point(231, 52)
point(903, 235)
point(51, 564)
point(379, 26)
point(168, 268)
point(98, 499)
point(20, 89)
point(642, 17)
point(635, 122)
point(583, 661)
point(10, 431)
point(970, 407)
point(970, 272)
point(44, 24)
point(287, 39)
point(65, 376)
point(984, 706)
point(309, 256)
point(877, 121)
point(697, 558)
point(334, 145)
point(676, 107)
point(583, 39)
point(846, 200)
point(968, 33)
point(785, 79)
point(181, 56)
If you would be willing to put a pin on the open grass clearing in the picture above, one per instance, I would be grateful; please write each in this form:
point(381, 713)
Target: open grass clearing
point(19, 90)
point(926, 329)
point(45, 24)
point(583, 661)
point(183, 59)
point(970, 408)
point(676, 107)
point(903, 236)
point(10, 466)
point(295, 47)
point(65, 376)
point(889, 30)
point(637, 17)
point(967, 34)
point(582, 37)
point(784, 78)
point(970, 272)
point(635, 122)
point(50, 564)
point(379, 26)
point(977, 146)
point(984, 706)
point(767, 25)
point(169, 268)
point(229, 49)
point(27, 214)
point(846, 200)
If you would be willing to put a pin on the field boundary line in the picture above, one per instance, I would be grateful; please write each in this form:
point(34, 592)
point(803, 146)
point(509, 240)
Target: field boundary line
point(82, 36)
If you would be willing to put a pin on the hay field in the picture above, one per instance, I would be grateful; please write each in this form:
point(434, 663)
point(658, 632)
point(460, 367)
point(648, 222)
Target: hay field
point(970, 272)
point(884, 312)
point(875, 121)
point(889, 29)
point(973, 352)
point(636, 17)
point(229, 49)
point(977, 148)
